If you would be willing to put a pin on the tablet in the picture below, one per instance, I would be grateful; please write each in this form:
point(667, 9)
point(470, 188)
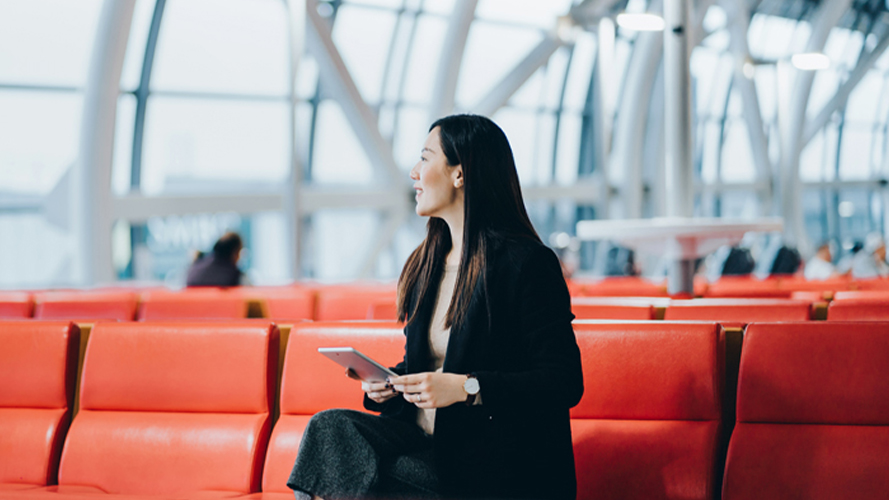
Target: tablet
point(367, 369)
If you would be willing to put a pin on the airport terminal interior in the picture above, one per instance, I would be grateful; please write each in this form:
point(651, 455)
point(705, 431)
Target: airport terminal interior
point(712, 175)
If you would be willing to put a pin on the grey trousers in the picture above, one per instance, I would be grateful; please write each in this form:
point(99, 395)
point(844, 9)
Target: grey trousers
point(346, 454)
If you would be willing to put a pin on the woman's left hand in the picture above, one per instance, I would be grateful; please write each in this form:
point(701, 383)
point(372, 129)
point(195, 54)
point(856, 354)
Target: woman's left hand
point(431, 389)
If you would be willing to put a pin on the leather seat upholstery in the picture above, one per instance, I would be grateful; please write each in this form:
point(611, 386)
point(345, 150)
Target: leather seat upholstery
point(648, 426)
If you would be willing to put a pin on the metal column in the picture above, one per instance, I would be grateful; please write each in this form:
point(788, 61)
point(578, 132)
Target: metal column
point(677, 127)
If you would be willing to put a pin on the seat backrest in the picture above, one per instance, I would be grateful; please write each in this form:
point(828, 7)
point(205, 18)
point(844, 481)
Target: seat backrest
point(192, 303)
point(38, 367)
point(350, 302)
point(16, 305)
point(383, 309)
point(626, 286)
point(612, 308)
point(312, 383)
point(648, 425)
point(739, 310)
point(862, 294)
point(284, 303)
point(168, 408)
point(746, 286)
point(86, 304)
point(813, 413)
point(867, 309)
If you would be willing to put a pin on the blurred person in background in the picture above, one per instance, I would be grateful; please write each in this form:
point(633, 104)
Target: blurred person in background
point(844, 266)
point(820, 267)
point(870, 262)
point(219, 267)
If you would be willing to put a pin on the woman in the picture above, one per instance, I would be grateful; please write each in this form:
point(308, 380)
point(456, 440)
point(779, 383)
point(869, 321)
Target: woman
point(491, 365)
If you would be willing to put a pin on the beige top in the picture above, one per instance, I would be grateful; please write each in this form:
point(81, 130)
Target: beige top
point(438, 338)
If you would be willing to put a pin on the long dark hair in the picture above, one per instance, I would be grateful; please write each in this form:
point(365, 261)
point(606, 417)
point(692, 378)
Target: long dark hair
point(492, 206)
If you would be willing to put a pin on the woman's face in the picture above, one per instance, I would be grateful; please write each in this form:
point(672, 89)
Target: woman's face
point(439, 186)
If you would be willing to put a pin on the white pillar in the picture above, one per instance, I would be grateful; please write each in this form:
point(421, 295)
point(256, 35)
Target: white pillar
point(92, 179)
point(677, 127)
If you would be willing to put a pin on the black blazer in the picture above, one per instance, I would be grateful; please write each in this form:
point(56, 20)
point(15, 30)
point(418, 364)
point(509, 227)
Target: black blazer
point(518, 340)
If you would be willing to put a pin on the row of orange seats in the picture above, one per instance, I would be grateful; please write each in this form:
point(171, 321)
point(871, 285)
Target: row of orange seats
point(187, 410)
point(331, 302)
point(378, 302)
point(727, 286)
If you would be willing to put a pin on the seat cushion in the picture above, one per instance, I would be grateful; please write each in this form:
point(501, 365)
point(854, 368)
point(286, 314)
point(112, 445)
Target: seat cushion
point(807, 461)
point(30, 443)
point(637, 459)
point(164, 453)
point(283, 448)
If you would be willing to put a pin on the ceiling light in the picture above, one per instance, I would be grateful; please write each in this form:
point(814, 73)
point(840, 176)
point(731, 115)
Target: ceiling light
point(640, 22)
point(811, 61)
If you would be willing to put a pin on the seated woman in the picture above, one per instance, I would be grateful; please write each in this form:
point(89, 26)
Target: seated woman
point(491, 364)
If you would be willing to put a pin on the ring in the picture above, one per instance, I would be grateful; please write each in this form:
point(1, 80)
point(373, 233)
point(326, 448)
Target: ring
point(419, 398)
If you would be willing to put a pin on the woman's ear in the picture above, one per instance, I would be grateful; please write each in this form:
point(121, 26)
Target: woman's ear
point(458, 176)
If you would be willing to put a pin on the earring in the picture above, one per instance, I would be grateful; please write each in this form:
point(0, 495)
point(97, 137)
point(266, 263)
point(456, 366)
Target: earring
point(457, 184)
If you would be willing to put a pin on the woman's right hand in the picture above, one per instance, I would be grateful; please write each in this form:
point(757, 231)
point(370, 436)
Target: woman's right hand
point(378, 392)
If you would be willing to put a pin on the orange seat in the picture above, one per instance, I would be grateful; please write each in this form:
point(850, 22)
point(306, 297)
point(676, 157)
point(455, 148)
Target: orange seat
point(172, 409)
point(649, 422)
point(813, 413)
point(193, 303)
point(16, 305)
point(867, 309)
point(384, 309)
point(626, 286)
point(739, 310)
point(339, 302)
point(312, 383)
point(863, 294)
point(38, 367)
point(286, 302)
point(612, 308)
point(86, 304)
point(746, 286)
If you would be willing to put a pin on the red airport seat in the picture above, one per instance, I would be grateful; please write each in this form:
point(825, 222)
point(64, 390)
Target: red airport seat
point(345, 302)
point(192, 303)
point(312, 383)
point(649, 423)
point(863, 294)
point(172, 409)
point(284, 303)
point(625, 286)
point(813, 413)
point(117, 305)
point(614, 308)
point(746, 287)
point(16, 305)
point(867, 309)
point(739, 310)
point(870, 284)
point(38, 368)
point(383, 309)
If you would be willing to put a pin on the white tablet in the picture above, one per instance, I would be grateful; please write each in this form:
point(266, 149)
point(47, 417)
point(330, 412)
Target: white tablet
point(367, 369)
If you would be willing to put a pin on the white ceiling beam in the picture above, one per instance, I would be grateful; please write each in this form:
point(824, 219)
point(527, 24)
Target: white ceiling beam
point(513, 81)
point(339, 85)
point(445, 90)
point(842, 95)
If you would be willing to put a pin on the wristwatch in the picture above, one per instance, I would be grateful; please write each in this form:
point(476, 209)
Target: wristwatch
point(471, 387)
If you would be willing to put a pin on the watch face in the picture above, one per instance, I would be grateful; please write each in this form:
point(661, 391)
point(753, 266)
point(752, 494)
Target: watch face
point(471, 386)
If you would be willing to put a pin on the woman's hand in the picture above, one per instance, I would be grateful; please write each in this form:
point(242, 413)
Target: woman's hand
point(378, 392)
point(431, 389)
